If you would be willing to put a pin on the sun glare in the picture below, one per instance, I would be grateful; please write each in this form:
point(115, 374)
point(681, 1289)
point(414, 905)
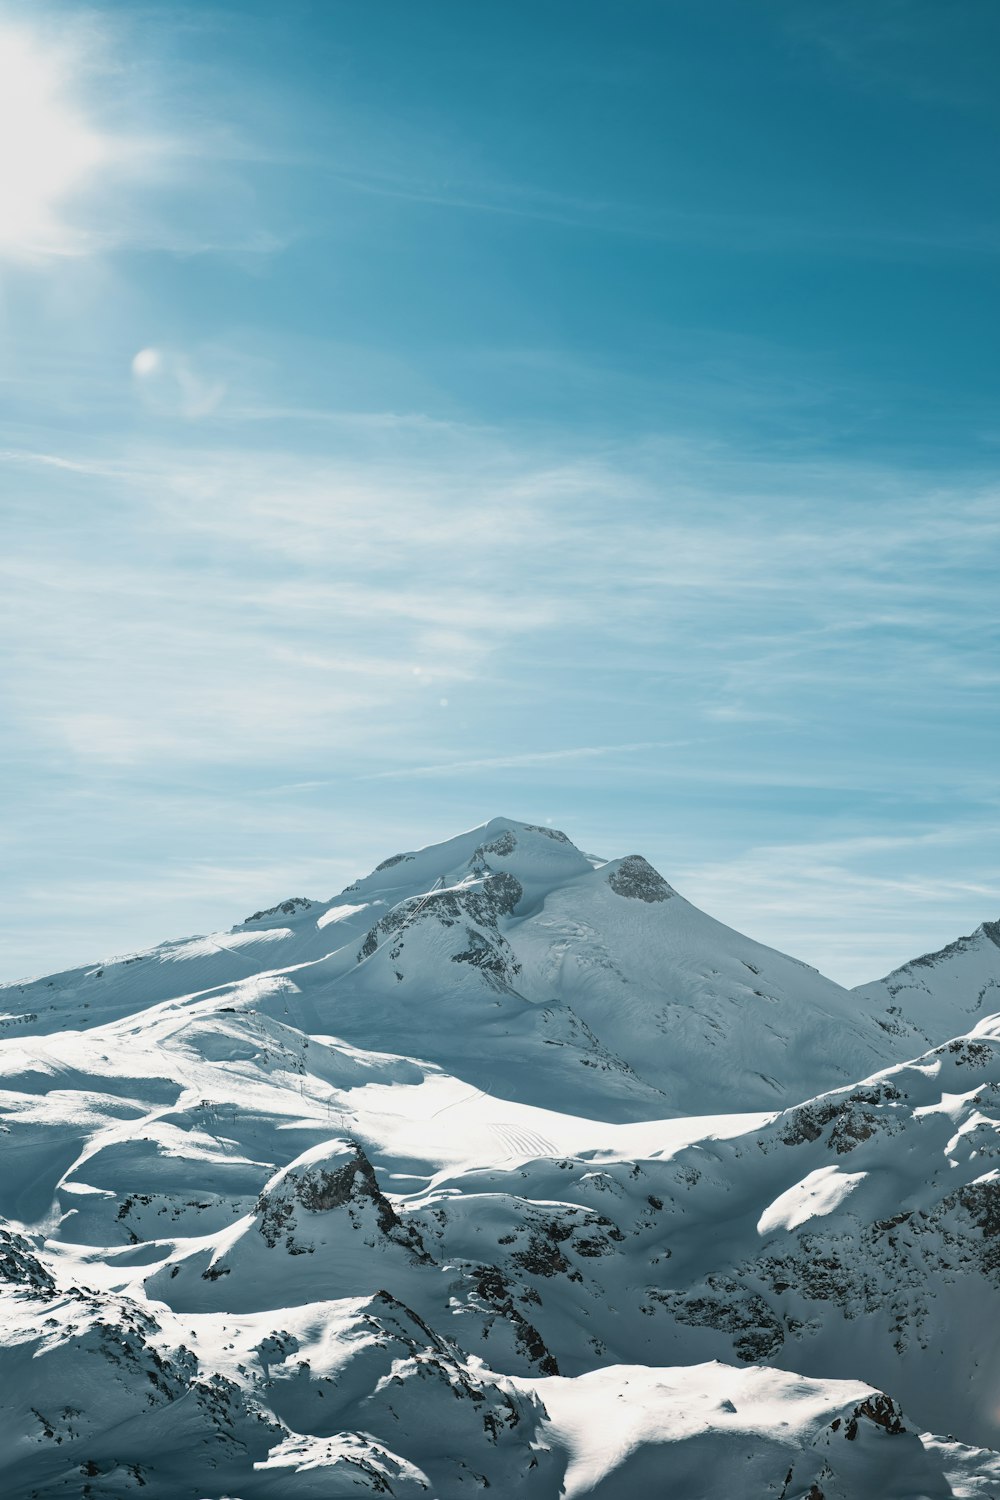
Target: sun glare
point(46, 147)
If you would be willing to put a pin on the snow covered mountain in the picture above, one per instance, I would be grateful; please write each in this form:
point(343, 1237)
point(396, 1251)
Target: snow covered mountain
point(484, 952)
point(955, 987)
point(508, 1168)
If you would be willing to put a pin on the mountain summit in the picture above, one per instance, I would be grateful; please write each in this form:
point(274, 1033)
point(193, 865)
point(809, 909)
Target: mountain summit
point(509, 956)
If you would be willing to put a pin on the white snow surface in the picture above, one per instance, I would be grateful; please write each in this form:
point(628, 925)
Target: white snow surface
point(509, 1168)
point(818, 1194)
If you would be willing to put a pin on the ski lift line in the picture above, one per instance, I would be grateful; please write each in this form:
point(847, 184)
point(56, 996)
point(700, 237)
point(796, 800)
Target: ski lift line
point(467, 1099)
point(232, 952)
point(437, 886)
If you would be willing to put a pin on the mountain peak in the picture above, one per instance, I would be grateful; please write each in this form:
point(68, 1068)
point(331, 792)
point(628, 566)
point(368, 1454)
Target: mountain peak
point(948, 990)
point(537, 855)
point(333, 1175)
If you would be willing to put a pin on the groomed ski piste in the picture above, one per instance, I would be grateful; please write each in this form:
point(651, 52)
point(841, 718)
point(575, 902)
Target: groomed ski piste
point(506, 1168)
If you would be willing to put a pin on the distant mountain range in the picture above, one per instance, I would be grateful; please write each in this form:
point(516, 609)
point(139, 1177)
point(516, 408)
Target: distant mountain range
point(505, 1168)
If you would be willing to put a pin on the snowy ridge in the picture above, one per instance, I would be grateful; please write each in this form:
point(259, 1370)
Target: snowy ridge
point(505, 1168)
point(960, 984)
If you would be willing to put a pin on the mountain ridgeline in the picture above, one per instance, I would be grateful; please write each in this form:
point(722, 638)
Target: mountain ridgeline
point(505, 1168)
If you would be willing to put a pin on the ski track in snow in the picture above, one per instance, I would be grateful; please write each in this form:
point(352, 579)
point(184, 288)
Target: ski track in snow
point(522, 1143)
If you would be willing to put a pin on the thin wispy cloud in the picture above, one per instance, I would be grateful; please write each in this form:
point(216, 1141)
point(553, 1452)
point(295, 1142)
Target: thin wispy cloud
point(850, 903)
point(355, 607)
point(181, 159)
point(519, 762)
point(759, 233)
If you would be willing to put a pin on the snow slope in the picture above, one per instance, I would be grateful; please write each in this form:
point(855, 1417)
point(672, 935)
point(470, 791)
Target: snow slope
point(955, 987)
point(505, 1168)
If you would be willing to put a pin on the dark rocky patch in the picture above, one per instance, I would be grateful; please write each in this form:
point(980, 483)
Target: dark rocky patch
point(635, 878)
point(283, 908)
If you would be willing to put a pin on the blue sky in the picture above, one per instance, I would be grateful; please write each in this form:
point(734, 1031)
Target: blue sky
point(414, 413)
